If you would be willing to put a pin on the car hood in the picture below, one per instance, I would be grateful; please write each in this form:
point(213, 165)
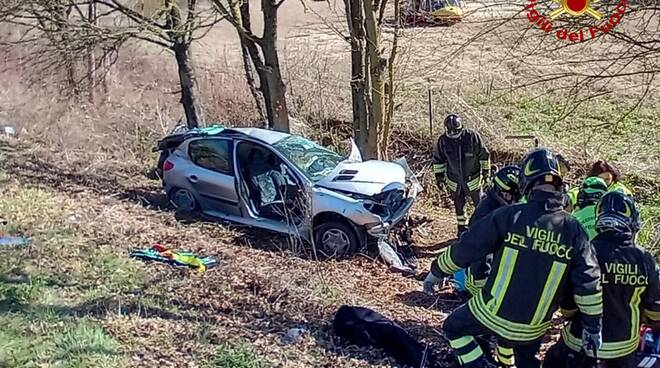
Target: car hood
point(367, 178)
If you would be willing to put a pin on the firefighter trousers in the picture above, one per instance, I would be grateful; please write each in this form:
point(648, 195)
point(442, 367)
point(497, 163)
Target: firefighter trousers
point(459, 197)
point(461, 327)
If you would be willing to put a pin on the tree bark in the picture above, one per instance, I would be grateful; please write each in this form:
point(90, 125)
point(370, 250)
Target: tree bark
point(390, 87)
point(377, 68)
point(254, 89)
point(275, 94)
point(355, 20)
point(91, 58)
point(190, 96)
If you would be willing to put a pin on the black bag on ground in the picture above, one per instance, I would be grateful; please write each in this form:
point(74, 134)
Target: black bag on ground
point(364, 327)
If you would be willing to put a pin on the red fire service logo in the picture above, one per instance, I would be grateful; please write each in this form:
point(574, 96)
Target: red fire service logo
point(601, 23)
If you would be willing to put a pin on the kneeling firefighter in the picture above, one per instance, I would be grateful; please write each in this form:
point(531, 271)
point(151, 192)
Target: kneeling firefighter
point(503, 191)
point(539, 252)
point(631, 292)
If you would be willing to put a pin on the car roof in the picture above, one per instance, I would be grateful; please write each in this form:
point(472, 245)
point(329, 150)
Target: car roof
point(265, 135)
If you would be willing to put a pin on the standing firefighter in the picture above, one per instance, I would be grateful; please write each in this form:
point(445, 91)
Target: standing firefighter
point(630, 291)
point(461, 163)
point(539, 252)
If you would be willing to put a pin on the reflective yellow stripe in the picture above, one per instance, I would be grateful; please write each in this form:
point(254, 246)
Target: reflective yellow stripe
point(592, 310)
point(504, 273)
point(461, 219)
point(439, 168)
point(505, 355)
point(549, 290)
point(634, 310)
point(652, 315)
point(445, 262)
point(512, 331)
point(461, 342)
point(608, 350)
point(589, 299)
point(472, 284)
point(473, 355)
point(485, 164)
point(451, 185)
point(474, 184)
point(591, 305)
point(501, 184)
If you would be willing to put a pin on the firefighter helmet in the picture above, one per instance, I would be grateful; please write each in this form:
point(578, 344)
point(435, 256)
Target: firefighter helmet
point(592, 190)
point(453, 126)
point(506, 181)
point(540, 165)
point(617, 212)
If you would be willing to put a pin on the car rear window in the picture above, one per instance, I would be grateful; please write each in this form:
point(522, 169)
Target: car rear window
point(212, 154)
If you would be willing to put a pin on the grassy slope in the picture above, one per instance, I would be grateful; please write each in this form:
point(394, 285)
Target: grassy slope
point(75, 299)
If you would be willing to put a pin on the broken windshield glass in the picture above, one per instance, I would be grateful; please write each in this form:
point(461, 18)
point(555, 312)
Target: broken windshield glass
point(314, 160)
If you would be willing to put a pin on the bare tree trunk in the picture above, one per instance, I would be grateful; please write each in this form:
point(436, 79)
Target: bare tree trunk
point(190, 96)
point(377, 68)
point(276, 93)
point(391, 88)
point(91, 58)
point(355, 22)
point(249, 77)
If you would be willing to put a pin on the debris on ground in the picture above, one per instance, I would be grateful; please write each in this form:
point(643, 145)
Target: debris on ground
point(293, 335)
point(9, 130)
point(14, 241)
point(159, 253)
point(392, 259)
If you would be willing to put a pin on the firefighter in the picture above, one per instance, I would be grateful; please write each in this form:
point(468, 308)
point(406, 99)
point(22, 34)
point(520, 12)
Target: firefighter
point(539, 251)
point(504, 191)
point(461, 164)
point(630, 289)
point(591, 191)
point(607, 172)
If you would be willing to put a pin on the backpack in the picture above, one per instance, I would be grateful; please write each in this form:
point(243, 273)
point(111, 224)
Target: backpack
point(365, 327)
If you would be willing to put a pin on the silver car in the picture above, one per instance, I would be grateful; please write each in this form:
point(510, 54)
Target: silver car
point(288, 184)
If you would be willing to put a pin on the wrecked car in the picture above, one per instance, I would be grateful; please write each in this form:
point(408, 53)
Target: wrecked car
point(287, 184)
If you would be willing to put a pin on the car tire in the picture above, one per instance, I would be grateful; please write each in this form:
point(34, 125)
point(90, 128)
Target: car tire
point(336, 239)
point(183, 200)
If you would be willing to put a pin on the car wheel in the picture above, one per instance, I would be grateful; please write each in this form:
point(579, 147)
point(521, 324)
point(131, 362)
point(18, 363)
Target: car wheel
point(336, 239)
point(183, 200)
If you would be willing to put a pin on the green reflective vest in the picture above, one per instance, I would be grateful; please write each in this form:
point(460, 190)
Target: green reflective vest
point(587, 218)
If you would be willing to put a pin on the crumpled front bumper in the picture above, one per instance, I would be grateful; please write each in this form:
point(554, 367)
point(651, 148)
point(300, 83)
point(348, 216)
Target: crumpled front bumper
point(383, 228)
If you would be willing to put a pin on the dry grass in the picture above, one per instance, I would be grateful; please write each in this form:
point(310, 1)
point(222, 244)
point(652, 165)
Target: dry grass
point(178, 318)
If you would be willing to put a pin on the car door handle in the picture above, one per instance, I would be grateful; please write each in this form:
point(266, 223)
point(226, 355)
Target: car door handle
point(193, 179)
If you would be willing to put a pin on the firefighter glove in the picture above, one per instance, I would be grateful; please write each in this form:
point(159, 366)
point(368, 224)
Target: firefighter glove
point(431, 281)
point(591, 341)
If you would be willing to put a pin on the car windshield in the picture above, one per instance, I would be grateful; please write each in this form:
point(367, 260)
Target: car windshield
point(314, 160)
